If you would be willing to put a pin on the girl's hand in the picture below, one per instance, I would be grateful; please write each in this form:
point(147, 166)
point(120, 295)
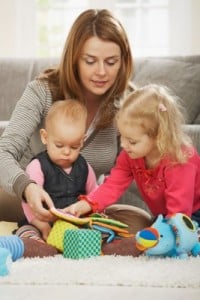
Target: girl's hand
point(38, 199)
point(79, 208)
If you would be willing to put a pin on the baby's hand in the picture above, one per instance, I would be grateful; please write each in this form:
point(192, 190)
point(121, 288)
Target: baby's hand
point(43, 227)
point(79, 208)
point(45, 231)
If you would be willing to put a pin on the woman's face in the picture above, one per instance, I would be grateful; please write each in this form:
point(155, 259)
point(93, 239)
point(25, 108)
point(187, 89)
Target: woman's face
point(98, 65)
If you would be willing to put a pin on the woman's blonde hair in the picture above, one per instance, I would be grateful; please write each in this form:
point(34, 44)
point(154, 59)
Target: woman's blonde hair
point(64, 80)
point(161, 116)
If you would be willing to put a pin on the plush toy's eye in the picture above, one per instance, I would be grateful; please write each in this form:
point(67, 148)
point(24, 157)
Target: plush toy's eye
point(161, 236)
point(188, 222)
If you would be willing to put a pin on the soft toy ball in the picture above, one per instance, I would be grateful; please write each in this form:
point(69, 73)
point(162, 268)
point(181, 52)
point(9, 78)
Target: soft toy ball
point(147, 238)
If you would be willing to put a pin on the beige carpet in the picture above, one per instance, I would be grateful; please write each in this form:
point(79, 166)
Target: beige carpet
point(106, 271)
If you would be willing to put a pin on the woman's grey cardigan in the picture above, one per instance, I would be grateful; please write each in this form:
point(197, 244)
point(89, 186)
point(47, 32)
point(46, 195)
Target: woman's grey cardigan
point(21, 140)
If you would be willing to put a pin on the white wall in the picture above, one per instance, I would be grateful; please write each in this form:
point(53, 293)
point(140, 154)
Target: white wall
point(17, 28)
point(184, 27)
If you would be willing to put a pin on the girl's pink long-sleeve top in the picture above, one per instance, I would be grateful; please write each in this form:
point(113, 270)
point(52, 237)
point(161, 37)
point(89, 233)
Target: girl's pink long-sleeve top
point(166, 189)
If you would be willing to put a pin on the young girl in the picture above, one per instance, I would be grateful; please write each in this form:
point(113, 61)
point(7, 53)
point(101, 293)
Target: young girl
point(156, 153)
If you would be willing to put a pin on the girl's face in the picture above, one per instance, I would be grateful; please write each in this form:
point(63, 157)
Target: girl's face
point(137, 143)
point(99, 65)
point(63, 141)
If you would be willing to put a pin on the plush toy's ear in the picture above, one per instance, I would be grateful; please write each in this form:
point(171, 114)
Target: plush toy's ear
point(160, 219)
point(188, 223)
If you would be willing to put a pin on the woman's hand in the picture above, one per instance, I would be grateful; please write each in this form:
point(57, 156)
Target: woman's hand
point(38, 199)
point(79, 208)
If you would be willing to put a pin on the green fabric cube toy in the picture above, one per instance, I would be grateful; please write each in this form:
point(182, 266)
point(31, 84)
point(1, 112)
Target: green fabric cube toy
point(81, 243)
point(56, 235)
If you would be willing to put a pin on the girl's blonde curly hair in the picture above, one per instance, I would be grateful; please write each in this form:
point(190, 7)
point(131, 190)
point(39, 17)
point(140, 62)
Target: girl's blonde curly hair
point(161, 115)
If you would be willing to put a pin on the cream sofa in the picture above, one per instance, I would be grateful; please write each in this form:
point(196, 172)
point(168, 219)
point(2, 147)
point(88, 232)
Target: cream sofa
point(181, 74)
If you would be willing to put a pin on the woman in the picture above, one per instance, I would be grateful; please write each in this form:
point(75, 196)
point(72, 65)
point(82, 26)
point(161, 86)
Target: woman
point(96, 67)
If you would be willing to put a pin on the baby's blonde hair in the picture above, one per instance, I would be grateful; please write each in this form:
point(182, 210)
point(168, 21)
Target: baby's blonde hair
point(71, 109)
point(161, 116)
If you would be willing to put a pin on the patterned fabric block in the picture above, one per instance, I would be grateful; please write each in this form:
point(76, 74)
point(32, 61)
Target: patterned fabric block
point(56, 235)
point(82, 243)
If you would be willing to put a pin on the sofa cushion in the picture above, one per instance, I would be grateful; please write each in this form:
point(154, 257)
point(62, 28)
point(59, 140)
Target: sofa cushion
point(181, 76)
point(15, 74)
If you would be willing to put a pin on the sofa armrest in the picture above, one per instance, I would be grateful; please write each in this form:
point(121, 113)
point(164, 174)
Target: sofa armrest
point(3, 125)
point(194, 132)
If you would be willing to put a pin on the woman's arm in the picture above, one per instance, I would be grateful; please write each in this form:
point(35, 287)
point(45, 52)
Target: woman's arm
point(15, 141)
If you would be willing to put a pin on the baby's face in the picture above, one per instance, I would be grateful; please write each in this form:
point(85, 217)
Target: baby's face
point(64, 141)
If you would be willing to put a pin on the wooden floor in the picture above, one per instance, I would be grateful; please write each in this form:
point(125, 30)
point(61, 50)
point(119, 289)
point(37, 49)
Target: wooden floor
point(6, 228)
point(98, 293)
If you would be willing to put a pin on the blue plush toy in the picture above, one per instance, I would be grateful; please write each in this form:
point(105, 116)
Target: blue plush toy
point(11, 249)
point(174, 236)
point(5, 261)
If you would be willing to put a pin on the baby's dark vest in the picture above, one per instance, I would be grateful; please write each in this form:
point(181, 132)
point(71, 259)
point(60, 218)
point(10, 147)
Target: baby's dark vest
point(63, 188)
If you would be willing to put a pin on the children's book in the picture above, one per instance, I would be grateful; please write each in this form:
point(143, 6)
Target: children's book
point(69, 217)
point(91, 220)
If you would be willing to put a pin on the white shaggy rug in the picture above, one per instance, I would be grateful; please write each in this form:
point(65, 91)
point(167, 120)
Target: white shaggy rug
point(106, 271)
